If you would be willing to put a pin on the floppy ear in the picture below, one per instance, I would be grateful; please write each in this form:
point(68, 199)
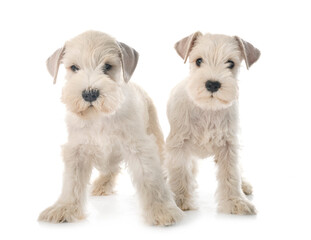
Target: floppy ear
point(250, 53)
point(129, 59)
point(54, 61)
point(184, 46)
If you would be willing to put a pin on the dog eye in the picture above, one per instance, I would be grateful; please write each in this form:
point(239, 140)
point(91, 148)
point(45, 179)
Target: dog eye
point(198, 62)
point(231, 64)
point(74, 68)
point(106, 68)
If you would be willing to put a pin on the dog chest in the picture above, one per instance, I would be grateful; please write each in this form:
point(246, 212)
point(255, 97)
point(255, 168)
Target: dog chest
point(211, 128)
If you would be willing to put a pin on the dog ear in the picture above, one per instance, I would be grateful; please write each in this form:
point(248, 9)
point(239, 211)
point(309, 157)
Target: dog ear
point(185, 45)
point(54, 61)
point(250, 53)
point(129, 59)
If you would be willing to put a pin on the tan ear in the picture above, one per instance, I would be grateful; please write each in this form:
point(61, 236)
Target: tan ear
point(185, 45)
point(250, 53)
point(129, 59)
point(54, 61)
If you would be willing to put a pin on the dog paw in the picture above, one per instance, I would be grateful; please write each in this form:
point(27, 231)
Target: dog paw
point(247, 188)
point(164, 215)
point(185, 204)
point(237, 206)
point(103, 186)
point(101, 190)
point(60, 213)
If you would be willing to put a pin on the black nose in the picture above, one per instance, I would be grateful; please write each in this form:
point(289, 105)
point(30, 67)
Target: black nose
point(90, 95)
point(212, 86)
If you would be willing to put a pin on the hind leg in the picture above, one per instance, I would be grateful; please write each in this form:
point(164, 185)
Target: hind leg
point(104, 184)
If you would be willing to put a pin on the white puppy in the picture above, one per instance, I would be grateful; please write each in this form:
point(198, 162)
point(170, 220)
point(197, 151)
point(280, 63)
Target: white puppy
point(203, 116)
point(108, 120)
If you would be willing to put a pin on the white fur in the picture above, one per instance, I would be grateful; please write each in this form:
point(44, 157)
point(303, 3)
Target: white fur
point(120, 125)
point(205, 124)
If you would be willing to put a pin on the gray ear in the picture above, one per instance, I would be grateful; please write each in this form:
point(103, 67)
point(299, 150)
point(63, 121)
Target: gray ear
point(54, 61)
point(184, 46)
point(250, 53)
point(129, 59)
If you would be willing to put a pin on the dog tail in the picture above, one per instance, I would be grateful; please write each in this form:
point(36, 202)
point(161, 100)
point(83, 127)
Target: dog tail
point(154, 128)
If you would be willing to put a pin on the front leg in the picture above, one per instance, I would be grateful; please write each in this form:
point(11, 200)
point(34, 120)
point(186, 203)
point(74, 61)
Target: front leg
point(230, 197)
point(182, 173)
point(70, 205)
point(144, 163)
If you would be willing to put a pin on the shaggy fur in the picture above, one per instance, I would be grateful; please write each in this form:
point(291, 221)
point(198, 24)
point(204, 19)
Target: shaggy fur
point(121, 124)
point(205, 124)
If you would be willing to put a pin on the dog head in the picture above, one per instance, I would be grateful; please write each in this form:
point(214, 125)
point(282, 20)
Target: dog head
point(214, 63)
point(97, 66)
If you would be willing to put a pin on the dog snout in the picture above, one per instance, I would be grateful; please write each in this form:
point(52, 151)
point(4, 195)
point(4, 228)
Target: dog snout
point(90, 95)
point(212, 86)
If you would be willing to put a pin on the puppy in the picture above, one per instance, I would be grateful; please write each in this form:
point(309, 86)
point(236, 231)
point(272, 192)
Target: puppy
point(203, 115)
point(108, 120)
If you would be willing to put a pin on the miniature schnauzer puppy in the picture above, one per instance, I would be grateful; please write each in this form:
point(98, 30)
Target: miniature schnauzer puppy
point(108, 120)
point(203, 115)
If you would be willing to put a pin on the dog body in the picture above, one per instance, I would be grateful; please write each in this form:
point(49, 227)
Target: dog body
point(201, 128)
point(203, 115)
point(108, 120)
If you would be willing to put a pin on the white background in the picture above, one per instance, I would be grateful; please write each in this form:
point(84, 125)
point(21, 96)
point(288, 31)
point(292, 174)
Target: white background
point(274, 110)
